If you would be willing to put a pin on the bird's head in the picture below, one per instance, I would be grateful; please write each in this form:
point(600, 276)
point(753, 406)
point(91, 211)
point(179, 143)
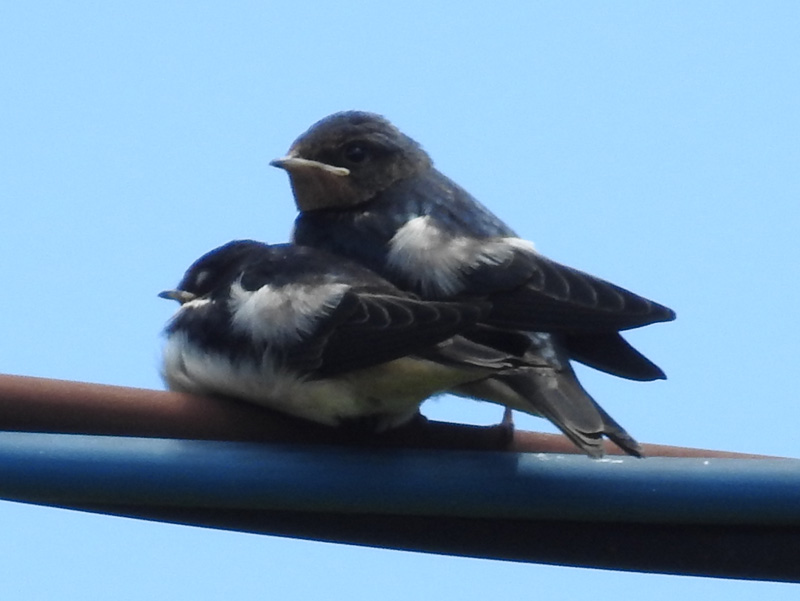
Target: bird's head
point(213, 270)
point(347, 158)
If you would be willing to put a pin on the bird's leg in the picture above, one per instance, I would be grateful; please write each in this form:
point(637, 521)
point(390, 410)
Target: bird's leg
point(506, 427)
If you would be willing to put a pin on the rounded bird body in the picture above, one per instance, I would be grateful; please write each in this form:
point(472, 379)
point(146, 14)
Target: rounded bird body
point(369, 193)
point(309, 334)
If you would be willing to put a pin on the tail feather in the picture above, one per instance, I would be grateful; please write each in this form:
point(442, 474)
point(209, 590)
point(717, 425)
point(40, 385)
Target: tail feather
point(618, 435)
point(557, 396)
point(611, 353)
point(562, 401)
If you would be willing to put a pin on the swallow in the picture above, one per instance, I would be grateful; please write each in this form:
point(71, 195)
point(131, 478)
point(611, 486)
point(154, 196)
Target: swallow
point(369, 193)
point(309, 334)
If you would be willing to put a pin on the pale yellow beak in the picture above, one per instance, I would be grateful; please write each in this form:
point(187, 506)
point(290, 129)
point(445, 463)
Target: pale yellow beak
point(294, 164)
point(181, 296)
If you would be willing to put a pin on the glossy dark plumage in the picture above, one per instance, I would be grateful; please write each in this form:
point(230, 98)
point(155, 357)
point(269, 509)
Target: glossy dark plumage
point(369, 193)
point(305, 332)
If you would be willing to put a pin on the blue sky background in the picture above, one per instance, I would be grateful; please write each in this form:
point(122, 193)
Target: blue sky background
point(654, 144)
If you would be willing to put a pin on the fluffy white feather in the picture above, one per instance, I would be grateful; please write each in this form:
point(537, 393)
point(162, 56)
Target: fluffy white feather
point(392, 390)
point(436, 261)
point(284, 314)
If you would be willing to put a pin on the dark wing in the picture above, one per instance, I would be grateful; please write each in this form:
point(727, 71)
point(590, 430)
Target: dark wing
point(528, 290)
point(531, 292)
point(464, 352)
point(368, 329)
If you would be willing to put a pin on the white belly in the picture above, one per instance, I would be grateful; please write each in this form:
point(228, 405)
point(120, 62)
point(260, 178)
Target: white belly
point(392, 391)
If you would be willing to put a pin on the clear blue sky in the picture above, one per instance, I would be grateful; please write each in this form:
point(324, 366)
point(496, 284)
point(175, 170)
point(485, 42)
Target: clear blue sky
point(656, 145)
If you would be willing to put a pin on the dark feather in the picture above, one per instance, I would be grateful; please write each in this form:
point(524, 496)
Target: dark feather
point(535, 293)
point(612, 354)
point(367, 329)
point(559, 397)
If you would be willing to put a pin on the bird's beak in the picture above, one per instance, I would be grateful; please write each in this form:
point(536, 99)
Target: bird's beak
point(178, 295)
point(294, 164)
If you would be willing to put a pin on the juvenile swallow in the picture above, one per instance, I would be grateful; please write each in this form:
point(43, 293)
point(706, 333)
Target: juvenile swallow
point(312, 335)
point(369, 193)
point(316, 336)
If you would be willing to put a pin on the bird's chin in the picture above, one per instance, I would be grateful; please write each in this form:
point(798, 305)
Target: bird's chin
point(320, 189)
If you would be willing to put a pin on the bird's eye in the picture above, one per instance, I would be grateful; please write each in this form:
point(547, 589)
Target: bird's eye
point(355, 152)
